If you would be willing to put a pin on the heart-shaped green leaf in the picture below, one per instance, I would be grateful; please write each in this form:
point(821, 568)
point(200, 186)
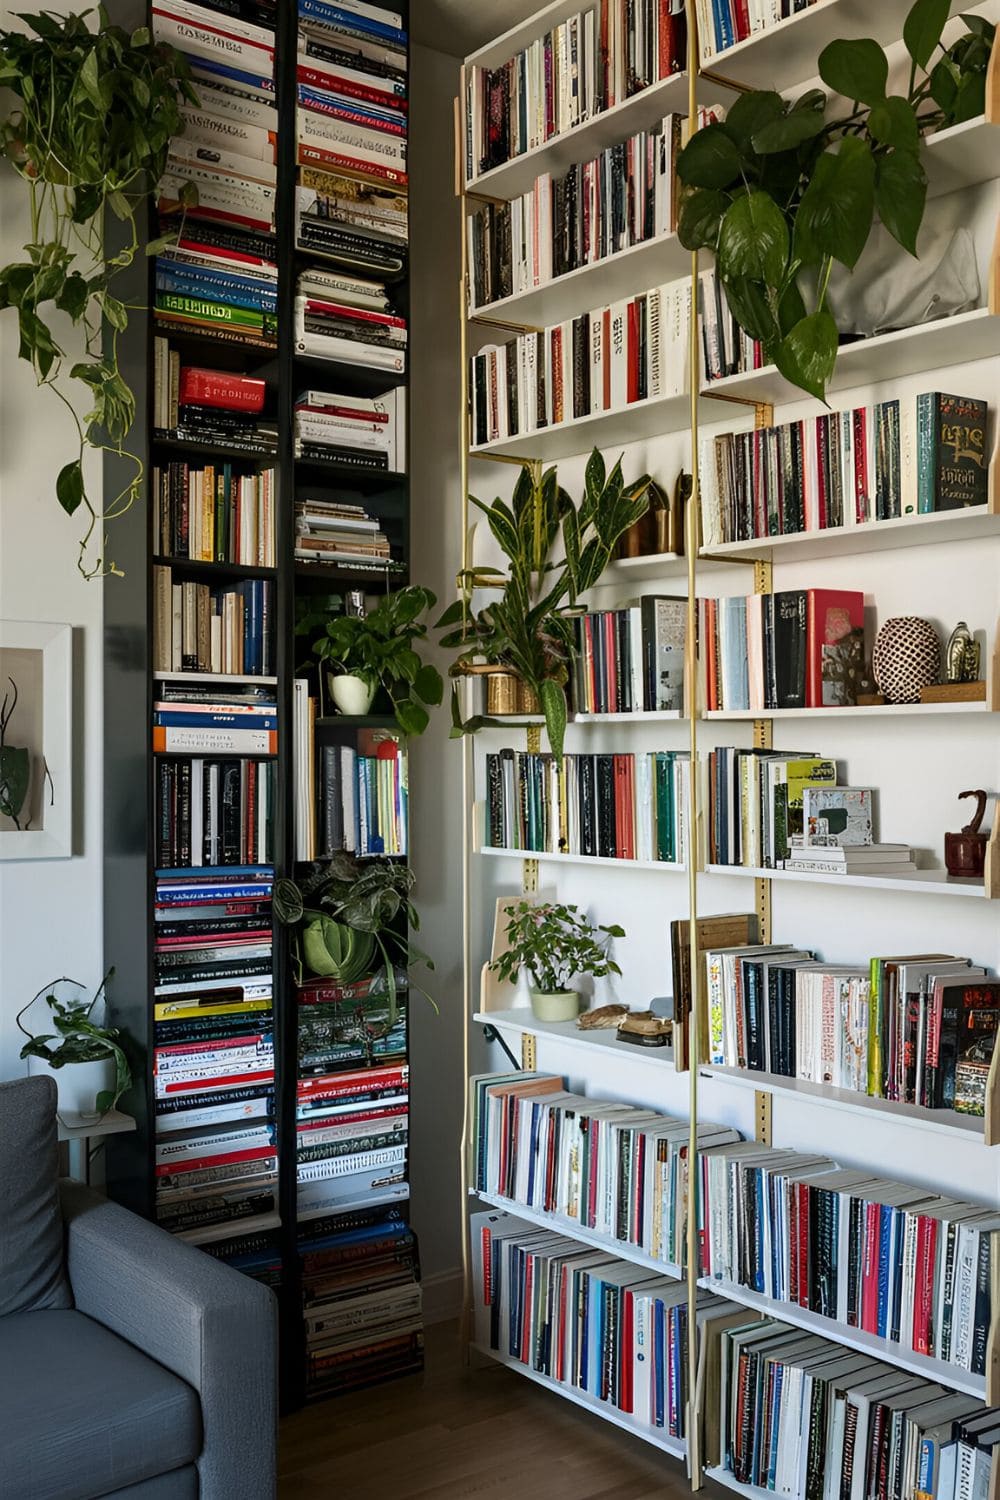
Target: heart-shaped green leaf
point(808, 353)
point(69, 486)
point(788, 132)
point(857, 69)
point(711, 159)
point(900, 194)
point(894, 123)
point(751, 113)
point(749, 305)
point(700, 216)
point(923, 27)
point(835, 215)
point(753, 239)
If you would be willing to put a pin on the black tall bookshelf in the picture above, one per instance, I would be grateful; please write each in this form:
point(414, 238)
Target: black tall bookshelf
point(129, 679)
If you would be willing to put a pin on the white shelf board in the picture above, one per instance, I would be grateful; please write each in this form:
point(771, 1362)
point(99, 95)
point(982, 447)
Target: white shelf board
point(944, 1121)
point(870, 536)
point(602, 429)
point(616, 276)
point(848, 711)
point(924, 882)
point(787, 51)
point(603, 1409)
point(653, 565)
point(634, 716)
point(961, 157)
point(853, 1338)
point(584, 859)
point(716, 1475)
point(72, 1126)
point(575, 1231)
point(568, 1034)
point(906, 351)
point(220, 678)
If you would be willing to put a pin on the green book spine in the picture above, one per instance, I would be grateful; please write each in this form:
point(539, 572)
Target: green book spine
point(875, 1028)
point(664, 830)
point(214, 312)
point(926, 428)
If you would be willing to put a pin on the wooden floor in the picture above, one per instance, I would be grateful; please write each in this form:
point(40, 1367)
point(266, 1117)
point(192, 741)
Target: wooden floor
point(458, 1432)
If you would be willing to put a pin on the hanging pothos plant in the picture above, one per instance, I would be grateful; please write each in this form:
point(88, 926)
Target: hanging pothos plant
point(779, 192)
point(87, 130)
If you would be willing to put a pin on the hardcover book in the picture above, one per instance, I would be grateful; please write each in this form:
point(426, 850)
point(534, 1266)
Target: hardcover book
point(837, 815)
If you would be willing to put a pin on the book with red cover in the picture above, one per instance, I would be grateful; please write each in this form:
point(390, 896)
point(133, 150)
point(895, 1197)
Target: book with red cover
point(199, 387)
point(309, 156)
point(831, 617)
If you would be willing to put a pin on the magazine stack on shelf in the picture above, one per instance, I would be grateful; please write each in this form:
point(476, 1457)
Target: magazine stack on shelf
point(337, 532)
point(362, 226)
point(363, 432)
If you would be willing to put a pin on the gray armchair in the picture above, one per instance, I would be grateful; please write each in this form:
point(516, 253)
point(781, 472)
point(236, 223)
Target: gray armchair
point(130, 1364)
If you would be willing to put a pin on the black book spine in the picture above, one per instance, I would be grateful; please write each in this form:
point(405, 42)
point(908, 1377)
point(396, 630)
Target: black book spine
point(587, 784)
point(982, 1316)
point(605, 806)
point(790, 648)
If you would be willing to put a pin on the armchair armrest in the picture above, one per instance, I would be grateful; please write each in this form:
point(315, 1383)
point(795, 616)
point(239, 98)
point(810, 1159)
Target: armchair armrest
point(205, 1322)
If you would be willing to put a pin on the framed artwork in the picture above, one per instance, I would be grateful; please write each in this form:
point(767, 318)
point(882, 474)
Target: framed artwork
point(36, 770)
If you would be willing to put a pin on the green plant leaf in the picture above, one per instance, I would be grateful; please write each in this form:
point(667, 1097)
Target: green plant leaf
point(700, 215)
point(789, 132)
point(750, 305)
point(923, 28)
point(980, 25)
point(944, 84)
point(553, 700)
point(791, 308)
point(711, 159)
point(857, 69)
point(753, 239)
point(894, 123)
point(411, 717)
point(970, 99)
point(808, 353)
point(751, 113)
point(837, 208)
point(900, 195)
point(429, 685)
point(69, 486)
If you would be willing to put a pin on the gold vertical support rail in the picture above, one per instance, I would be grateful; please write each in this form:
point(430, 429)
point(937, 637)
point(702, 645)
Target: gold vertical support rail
point(529, 867)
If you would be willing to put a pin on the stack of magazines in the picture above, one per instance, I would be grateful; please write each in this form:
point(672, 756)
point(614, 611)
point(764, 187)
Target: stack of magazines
point(366, 432)
point(362, 226)
point(330, 531)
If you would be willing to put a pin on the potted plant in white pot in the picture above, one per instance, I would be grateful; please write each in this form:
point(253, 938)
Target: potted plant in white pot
point(377, 649)
point(100, 1069)
point(555, 944)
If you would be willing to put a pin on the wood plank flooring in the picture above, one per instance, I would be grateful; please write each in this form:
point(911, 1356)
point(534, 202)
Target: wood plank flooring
point(458, 1432)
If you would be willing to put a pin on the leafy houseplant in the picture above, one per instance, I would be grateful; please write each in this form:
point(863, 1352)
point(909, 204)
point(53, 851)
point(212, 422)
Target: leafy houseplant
point(779, 192)
point(555, 944)
point(377, 649)
point(529, 628)
point(350, 919)
point(78, 1039)
point(87, 131)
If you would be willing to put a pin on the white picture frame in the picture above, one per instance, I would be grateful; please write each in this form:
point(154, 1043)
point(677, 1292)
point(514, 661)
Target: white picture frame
point(51, 692)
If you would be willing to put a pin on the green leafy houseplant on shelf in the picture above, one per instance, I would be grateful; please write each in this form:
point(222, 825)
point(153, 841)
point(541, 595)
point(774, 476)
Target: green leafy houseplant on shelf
point(77, 1039)
point(555, 944)
point(529, 626)
point(89, 117)
point(378, 650)
point(779, 192)
point(351, 918)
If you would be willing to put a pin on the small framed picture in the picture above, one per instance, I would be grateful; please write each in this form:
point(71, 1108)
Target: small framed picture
point(36, 737)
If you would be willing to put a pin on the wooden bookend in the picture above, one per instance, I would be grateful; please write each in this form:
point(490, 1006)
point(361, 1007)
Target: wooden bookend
point(496, 993)
point(954, 692)
point(993, 672)
point(994, 1490)
point(992, 106)
point(993, 1343)
point(991, 869)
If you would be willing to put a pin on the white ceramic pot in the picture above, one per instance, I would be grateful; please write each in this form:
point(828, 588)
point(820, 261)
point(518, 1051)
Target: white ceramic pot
point(78, 1085)
point(563, 1005)
point(351, 695)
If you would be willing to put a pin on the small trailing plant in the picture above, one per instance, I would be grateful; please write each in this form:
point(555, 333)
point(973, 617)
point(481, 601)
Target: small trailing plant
point(76, 1037)
point(528, 628)
point(555, 944)
point(350, 918)
point(379, 648)
point(90, 118)
point(779, 192)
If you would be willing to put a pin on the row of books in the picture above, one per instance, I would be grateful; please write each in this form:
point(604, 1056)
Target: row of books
point(348, 796)
point(351, 1026)
point(614, 1169)
point(723, 23)
point(340, 533)
point(603, 360)
point(799, 648)
point(199, 725)
point(214, 812)
point(202, 394)
point(209, 305)
point(621, 198)
point(352, 1131)
point(631, 659)
point(896, 1261)
point(361, 1299)
point(904, 457)
point(584, 1320)
point(337, 330)
point(362, 226)
point(608, 806)
point(801, 1416)
point(757, 803)
point(913, 1030)
point(226, 630)
point(214, 513)
point(726, 349)
point(354, 431)
point(586, 64)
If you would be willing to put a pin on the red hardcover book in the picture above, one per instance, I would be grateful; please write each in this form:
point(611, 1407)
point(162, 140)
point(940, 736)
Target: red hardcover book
point(610, 704)
point(831, 617)
point(862, 498)
point(632, 351)
point(626, 1350)
point(664, 59)
point(869, 1270)
point(200, 387)
point(712, 687)
point(224, 1159)
point(742, 18)
point(927, 1234)
point(346, 413)
point(803, 1244)
point(310, 156)
point(326, 307)
point(793, 1246)
point(621, 806)
point(334, 110)
point(626, 829)
point(222, 1081)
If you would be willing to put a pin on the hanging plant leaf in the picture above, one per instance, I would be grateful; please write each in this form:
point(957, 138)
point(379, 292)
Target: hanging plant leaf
point(894, 123)
point(69, 487)
point(900, 194)
point(753, 239)
point(837, 208)
point(711, 159)
point(808, 353)
point(857, 69)
point(923, 28)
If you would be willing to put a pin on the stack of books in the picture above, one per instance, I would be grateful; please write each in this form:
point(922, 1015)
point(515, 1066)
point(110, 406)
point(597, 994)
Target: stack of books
point(214, 514)
point(218, 284)
point(214, 813)
point(228, 630)
point(897, 458)
point(352, 1136)
point(352, 104)
point(340, 534)
point(329, 327)
point(603, 360)
point(631, 659)
point(800, 648)
point(867, 859)
point(363, 432)
point(361, 1299)
point(838, 1420)
point(589, 63)
point(893, 1260)
point(362, 226)
point(596, 1325)
point(723, 23)
point(351, 1025)
point(257, 1254)
point(216, 1160)
point(606, 806)
point(209, 406)
point(194, 723)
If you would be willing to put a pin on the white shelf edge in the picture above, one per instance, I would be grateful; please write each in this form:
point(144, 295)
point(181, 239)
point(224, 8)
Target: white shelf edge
point(676, 1447)
point(219, 678)
point(574, 1231)
point(852, 1338)
point(565, 1033)
point(849, 710)
point(897, 531)
point(583, 859)
point(911, 1116)
point(635, 716)
point(925, 882)
point(71, 1126)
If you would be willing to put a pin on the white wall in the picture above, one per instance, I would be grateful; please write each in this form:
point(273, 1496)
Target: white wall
point(50, 910)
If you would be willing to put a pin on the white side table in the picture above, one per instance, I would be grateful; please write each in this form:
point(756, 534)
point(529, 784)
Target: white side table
point(75, 1130)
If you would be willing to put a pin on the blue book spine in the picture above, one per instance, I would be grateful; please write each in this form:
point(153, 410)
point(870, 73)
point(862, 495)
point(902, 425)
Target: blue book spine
point(171, 720)
point(355, 111)
point(261, 82)
point(222, 275)
point(725, 34)
point(333, 15)
point(215, 291)
point(186, 876)
point(884, 1241)
point(210, 893)
point(596, 1335)
point(772, 1457)
point(758, 1269)
point(660, 1364)
point(532, 1149)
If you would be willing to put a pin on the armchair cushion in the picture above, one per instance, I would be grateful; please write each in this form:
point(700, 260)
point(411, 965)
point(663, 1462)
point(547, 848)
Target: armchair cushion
point(84, 1413)
point(31, 1237)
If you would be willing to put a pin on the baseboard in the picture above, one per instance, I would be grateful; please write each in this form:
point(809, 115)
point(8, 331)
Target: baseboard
point(442, 1296)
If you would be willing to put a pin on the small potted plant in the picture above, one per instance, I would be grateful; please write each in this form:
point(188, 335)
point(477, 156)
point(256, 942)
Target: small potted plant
point(377, 650)
point(555, 944)
point(101, 1072)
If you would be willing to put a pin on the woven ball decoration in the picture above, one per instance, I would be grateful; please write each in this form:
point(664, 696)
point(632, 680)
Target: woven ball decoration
point(907, 657)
